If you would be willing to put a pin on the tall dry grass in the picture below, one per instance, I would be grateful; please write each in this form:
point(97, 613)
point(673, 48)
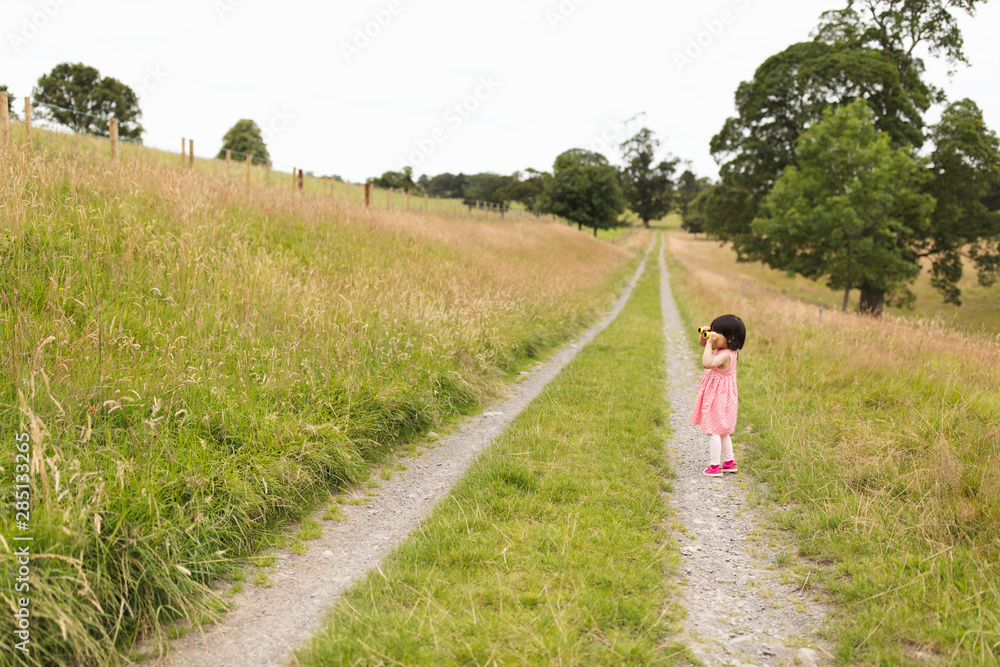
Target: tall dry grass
point(883, 436)
point(198, 362)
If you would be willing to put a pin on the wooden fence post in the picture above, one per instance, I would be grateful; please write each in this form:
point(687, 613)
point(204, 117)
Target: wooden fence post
point(27, 121)
point(190, 153)
point(249, 164)
point(229, 158)
point(113, 131)
point(267, 174)
point(368, 195)
point(4, 119)
point(183, 149)
point(300, 180)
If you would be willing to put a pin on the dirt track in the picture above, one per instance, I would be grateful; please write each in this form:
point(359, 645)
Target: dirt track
point(738, 611)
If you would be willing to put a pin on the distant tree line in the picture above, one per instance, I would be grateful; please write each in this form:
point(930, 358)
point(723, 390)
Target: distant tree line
point(583, 186)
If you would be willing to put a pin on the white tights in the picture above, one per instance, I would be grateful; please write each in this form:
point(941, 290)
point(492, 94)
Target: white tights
point(720, 448)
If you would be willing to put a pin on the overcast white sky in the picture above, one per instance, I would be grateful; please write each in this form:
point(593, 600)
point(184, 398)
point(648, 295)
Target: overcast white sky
point(531, 79)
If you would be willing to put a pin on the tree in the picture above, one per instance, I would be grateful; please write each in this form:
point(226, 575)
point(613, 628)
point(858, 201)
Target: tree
point(10, 102)
point(488, 187)
point(897, 27)
point(398, 180)
point(692, 192)
point(244, 138)
point(526, 189)
point(77, 97)
point(440, 186)
point(584, 189)
point(965, 175)
point(648, 188)
point(846, 209)
point(693, 217)
point(789, 92)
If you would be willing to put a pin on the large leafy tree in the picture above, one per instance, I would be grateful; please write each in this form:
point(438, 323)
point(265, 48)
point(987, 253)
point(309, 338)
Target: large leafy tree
point(648, 186)
point(845, 210)
point(965, 178)
point(584, 189)
point(244, 138)
point(789, 93)
point(898, 28)
point(78, 97)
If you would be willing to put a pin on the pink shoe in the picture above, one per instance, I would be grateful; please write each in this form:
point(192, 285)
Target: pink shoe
point(713, 471)
point(729, 466)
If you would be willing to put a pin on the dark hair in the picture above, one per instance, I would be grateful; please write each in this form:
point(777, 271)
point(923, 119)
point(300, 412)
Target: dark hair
point(732, 328)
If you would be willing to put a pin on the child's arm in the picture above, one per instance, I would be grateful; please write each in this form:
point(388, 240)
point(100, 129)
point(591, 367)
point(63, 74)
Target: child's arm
point(718, 361)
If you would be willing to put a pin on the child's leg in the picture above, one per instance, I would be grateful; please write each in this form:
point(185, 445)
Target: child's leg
point(727, 448)
point(714, 450)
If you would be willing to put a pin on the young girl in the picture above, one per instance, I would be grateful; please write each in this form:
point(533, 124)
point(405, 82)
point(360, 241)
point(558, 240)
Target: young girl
point(717, 402)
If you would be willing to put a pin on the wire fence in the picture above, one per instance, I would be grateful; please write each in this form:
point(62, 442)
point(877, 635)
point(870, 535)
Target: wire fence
point(108, 131)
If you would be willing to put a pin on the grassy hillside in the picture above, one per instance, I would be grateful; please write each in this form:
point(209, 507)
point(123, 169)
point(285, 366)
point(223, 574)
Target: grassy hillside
point(878, 440)
point(197, 361)
point(979, 312)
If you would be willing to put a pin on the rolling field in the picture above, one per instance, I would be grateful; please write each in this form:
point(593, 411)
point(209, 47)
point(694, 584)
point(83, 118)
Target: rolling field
point(198, 362)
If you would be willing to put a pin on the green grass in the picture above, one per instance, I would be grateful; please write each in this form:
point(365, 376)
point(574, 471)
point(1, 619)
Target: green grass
point(553, 549)
point(882, 436)
point(201, 363)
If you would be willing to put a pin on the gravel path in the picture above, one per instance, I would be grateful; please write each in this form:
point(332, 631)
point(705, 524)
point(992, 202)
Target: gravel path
point(268, 623)
point(738, 611)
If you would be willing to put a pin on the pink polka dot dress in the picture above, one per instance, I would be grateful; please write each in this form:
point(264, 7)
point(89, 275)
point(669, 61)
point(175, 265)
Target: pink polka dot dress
point(717, 402)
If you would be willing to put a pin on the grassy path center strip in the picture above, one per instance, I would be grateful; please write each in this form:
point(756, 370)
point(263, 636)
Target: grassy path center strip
point(553, 548)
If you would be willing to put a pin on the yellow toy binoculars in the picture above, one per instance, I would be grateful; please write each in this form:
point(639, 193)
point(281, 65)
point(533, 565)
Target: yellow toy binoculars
point(704, 332)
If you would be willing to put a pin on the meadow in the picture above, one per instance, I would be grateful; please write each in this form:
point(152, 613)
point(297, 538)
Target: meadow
point(554, 548)
point(873, 444)
point(198, 361)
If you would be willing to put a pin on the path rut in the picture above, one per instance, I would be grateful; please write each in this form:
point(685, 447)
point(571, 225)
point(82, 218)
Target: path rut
point(739, 612)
